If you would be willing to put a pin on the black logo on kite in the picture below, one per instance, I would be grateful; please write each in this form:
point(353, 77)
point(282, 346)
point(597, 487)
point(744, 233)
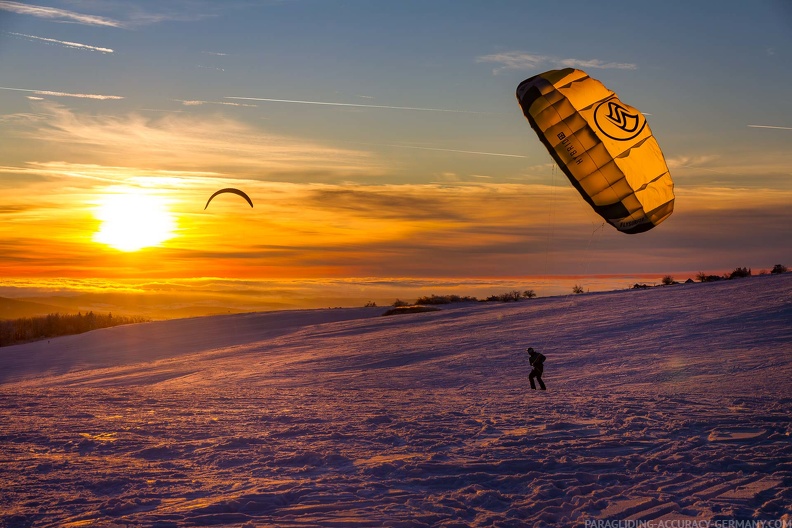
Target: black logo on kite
point(617, 122)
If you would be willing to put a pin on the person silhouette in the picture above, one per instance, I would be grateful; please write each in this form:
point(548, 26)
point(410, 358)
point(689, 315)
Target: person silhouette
point(537, 362)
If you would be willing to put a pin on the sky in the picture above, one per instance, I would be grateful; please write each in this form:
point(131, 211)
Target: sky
point(379, 141)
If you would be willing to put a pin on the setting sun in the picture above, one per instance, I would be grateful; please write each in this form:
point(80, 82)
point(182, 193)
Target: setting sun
point(133, 221)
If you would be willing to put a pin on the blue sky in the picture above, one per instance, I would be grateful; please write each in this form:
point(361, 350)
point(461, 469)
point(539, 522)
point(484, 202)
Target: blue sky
point(417, 111)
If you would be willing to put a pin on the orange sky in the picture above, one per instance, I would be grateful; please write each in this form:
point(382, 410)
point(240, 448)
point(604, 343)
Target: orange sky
point(343, 224)
point(369, 158)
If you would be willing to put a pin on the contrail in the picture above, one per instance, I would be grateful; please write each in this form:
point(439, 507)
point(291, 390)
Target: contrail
point(65, 43)
point(324, 103)
point(459, 151)
point(56, 14)
point(200, 103)
point(64, 94)
point(768, 126)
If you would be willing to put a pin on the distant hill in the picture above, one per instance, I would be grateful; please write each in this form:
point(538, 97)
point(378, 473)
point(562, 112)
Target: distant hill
point(15, 309)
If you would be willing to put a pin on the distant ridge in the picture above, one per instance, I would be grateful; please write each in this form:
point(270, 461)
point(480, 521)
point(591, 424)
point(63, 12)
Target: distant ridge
point(15, 309)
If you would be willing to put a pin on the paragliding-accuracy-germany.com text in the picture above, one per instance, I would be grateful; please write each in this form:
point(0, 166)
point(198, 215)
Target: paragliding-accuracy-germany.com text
point(691, 523)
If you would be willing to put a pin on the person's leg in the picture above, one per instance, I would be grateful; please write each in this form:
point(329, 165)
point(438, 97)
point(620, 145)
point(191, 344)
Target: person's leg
point(531, 377)
point(541, 383)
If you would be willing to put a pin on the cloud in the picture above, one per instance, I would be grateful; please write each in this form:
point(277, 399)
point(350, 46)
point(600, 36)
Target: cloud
point(64, 43)
point(128, 15)
point(78, 95)
point(112, 174)
point(690, 161)
point(191, 142)
point(310, 229)
point(385, 230)
point(60, 15)
point(598, 64)
point(519, 60)
point(769, 126)
point(737, 169)
point(100, 97)
point(515, 60)
point(168, 12)
point(487, 230)
point(475, 152)
point(223, 103)
point(327, 103)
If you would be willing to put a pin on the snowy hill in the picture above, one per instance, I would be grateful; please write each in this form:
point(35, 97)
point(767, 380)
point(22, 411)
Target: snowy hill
point(667, 403)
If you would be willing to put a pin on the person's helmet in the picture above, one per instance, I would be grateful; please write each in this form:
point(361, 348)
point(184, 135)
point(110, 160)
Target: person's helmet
point(530, 350)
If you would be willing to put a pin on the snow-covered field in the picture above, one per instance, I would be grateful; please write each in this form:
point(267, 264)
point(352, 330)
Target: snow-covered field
point(668, 403)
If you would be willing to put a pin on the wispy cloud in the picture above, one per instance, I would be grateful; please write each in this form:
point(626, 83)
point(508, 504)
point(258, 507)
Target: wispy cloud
point(690, 161)
point(64, 43)
point(327, 103)
point(477, 152)
point(514, 60)
point(79, 95)
point(126, 15)
point(756, 170)
point(56, 14)
point(598, 64)
point(192, 142)
point(520, 60)
point(114, 174)
point(53, 93)
point(769, 126)
point(166, 12)
point(224, 103)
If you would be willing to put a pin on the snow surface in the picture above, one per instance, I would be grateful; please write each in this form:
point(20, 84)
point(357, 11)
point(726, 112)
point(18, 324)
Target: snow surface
point(668, 403)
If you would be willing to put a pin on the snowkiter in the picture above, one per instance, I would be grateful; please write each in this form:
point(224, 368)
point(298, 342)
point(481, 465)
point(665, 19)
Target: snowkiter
point(536, 360)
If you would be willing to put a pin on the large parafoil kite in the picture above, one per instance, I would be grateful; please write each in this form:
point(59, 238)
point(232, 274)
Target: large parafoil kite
point(229, 190)
point(604, 147)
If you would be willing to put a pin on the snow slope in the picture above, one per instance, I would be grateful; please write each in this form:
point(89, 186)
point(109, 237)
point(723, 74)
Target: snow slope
point(668, 403)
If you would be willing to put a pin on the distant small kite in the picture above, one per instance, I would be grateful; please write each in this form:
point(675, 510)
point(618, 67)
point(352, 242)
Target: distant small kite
point(229, 190)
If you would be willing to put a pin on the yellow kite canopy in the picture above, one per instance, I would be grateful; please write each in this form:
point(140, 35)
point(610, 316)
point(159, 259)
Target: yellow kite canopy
point(604, 147)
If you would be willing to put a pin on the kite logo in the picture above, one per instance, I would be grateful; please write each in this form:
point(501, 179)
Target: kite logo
point(618, 121)
point(625, 224)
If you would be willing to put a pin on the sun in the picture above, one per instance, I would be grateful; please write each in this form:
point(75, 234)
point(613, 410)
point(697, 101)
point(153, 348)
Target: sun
point(134, 220)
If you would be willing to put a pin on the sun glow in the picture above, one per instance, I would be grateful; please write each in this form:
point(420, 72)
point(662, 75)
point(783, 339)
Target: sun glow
point(134, 220)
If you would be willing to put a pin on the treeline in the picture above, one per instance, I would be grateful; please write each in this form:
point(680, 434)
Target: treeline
point(431, 300)
point(27, 329)
point(739, 273)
